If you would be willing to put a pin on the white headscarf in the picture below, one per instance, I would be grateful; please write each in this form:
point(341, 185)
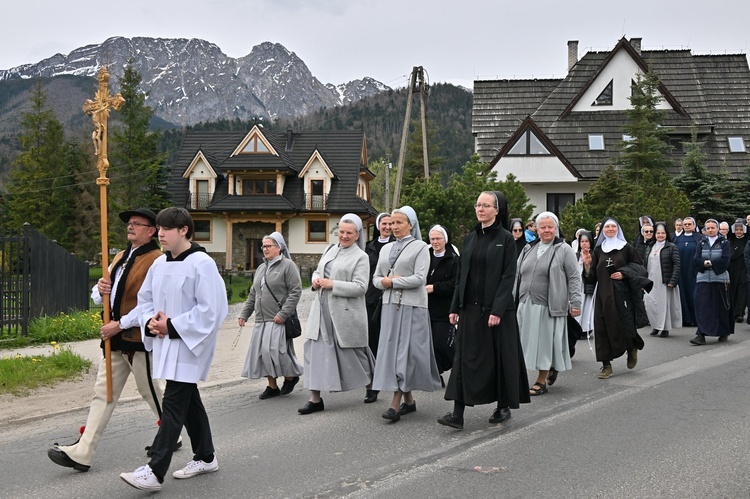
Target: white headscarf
point(412, 216)
point(611, 243)
point(354, 219)
point(548, 214)
point(276, 236)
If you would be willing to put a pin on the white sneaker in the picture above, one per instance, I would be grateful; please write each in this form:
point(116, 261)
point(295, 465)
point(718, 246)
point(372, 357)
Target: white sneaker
point(194, 468)
point(142, 478)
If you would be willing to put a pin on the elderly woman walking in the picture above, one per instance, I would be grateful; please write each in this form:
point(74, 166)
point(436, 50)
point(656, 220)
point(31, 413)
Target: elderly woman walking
point(406, 359)
point(337, 358)
point(547, 288)
point(714, 313)
point(441, 283)
point(271, 353)
point(663, 302)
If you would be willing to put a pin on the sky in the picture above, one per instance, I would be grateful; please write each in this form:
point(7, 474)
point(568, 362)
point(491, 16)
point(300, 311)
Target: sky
point(342, 40)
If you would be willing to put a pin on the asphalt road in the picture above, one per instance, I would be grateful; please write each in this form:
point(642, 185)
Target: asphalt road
point(676, 426)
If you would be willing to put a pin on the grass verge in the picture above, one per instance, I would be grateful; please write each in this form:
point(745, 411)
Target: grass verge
point(61, 328)
point(21, 374)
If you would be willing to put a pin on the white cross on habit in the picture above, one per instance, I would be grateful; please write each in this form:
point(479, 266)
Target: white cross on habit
point(609, 262)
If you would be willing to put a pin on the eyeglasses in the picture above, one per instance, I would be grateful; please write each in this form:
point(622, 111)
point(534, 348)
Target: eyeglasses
point(484, 205)
point(138, 224)
point(517, 230)
point(648, 231)
point(269, 246)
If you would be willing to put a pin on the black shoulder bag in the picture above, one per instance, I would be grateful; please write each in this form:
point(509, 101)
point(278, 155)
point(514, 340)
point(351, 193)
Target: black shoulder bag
point(292, 325)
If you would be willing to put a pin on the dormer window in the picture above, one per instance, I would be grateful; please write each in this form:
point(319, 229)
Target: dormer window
point(255, 146)
point(736, 144)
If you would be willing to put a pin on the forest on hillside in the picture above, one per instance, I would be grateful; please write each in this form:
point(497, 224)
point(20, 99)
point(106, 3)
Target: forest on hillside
point(382, 119)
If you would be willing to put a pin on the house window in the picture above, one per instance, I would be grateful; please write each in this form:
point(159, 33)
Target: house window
point(605, 98)
point(258, 186)
point(596, 142)
point(556, 203)
point(317, 231)
point(202, 230)
point(255, 146)
point(736, 144)
point(528, 144)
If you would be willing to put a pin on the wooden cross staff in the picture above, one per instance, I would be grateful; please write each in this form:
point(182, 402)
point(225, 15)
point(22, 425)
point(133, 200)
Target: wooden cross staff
point(98, 109)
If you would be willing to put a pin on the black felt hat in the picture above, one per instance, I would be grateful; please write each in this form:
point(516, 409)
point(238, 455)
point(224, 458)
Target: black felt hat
point(140, 212)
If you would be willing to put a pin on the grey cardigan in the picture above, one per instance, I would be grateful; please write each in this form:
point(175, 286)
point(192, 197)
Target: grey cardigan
point(565, 288)
point(283, 278)
point(350, 272)
point(413, 265)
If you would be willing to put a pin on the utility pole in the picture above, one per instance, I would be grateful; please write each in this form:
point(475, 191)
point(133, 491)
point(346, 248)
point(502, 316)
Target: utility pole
point(416, 84)
point(387, 185)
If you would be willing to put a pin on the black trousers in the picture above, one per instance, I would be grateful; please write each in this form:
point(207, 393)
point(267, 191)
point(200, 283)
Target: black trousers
point(181, 406)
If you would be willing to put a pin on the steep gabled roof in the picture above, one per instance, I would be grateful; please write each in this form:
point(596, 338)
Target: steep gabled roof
point(712, 92)
point(340, 150)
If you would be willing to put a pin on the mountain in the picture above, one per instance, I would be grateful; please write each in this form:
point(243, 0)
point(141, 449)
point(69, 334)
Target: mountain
point(191, 80)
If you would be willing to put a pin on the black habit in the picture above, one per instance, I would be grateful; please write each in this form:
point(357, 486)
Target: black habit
point(615, 330)
point(488, 365)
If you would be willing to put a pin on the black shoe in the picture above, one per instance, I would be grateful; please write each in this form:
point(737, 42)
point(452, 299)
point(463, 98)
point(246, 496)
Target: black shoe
point(722, 339)
point(371, 396)
point(269, 393)
point(176, 447)
point(501, 414)
point(699, 339)
point(739, 320)
point(288, 385)
point(406, 409)
point(311, 407)
point(664, 334)
point(61, 458)
point(391, 414)
point(654, 332)
point(552, 377)
point(452, 421)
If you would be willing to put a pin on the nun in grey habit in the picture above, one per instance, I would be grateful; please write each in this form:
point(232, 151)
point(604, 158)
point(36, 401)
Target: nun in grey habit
point(406, 358)
point(337, 358)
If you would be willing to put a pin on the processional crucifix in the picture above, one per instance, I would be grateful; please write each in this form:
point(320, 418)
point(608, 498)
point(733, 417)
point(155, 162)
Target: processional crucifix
point(98, 109)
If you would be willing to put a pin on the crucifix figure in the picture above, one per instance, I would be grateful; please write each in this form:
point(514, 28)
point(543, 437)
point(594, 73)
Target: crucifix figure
point(98, 109)
point(609, 262)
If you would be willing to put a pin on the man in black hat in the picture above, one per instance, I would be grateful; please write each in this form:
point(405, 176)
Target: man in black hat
point(127, 273)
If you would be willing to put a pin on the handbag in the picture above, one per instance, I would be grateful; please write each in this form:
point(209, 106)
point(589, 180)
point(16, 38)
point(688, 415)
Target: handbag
point(292, 325)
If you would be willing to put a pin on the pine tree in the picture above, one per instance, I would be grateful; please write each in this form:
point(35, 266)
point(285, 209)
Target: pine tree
point(137, 170)
point(710, 193)
point(36, 188)
point(647, 149)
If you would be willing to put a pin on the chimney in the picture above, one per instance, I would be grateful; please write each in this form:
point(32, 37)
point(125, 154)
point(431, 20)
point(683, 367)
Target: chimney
point(572, 53)
point(636, 44)
point(289, 139)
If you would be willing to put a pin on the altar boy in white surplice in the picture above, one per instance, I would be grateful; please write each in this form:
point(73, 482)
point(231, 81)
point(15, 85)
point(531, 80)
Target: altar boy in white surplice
point(181, 306)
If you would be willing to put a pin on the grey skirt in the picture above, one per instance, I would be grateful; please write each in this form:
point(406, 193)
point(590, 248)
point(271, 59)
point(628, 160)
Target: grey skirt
point(270, 353)
point(406, 358)
point(544, 339)
point(330, 368)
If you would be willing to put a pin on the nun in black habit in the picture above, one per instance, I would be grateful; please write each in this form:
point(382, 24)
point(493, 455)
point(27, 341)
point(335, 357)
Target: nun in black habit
point(489, 365)
point(617, 270)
